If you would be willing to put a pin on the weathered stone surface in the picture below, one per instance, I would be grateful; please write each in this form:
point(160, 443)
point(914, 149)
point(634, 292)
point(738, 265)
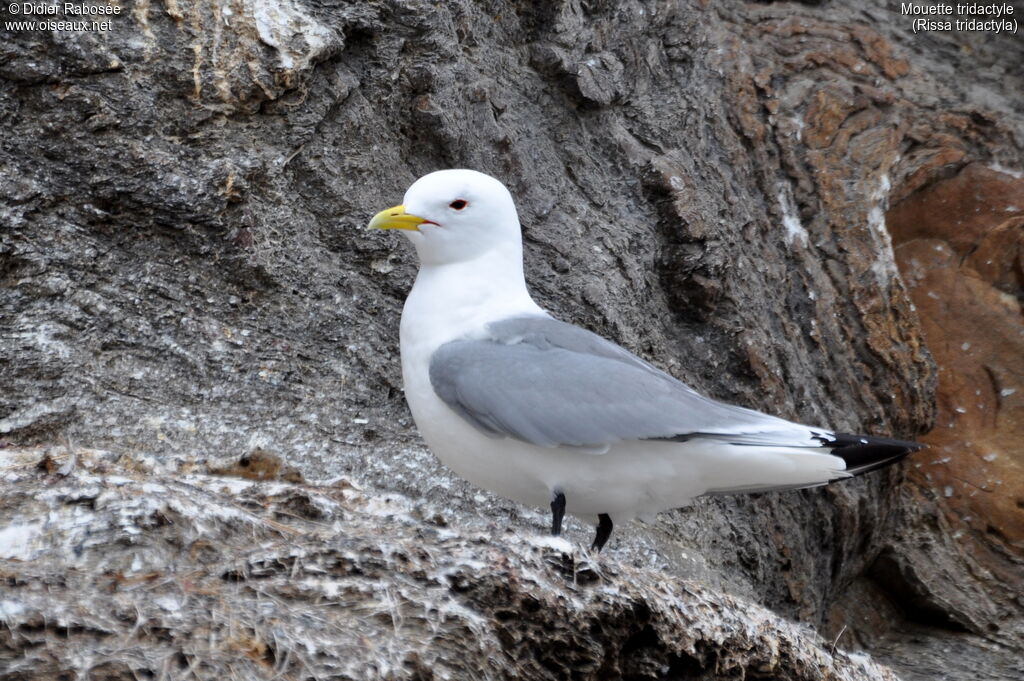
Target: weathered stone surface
point(183, 274)
point(959, 245)
point(961, 251)
point(114, 569)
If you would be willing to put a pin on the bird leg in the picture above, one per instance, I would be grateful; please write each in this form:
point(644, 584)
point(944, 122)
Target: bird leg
point(557, 513)
point(604, 530)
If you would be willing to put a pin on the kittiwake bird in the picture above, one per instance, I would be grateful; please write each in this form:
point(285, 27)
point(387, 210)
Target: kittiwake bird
point(546, 413)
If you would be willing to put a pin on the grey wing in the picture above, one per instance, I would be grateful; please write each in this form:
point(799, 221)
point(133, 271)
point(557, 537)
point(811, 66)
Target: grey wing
point(553, 384)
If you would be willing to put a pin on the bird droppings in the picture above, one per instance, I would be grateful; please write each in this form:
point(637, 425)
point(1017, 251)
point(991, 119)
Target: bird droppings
point(17, 540)
point(553, 543)
point(795, 231)
point(327, 598)
point(9, 610)
point(1016, 174)
point(884, 266)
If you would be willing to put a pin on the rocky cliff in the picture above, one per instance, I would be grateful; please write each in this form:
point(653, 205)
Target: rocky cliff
point(725, 188)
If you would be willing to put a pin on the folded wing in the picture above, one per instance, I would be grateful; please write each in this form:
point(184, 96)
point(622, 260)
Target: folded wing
point(553, 384)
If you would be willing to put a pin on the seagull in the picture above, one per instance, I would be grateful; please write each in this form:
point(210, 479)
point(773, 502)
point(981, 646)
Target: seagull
point(546, 413)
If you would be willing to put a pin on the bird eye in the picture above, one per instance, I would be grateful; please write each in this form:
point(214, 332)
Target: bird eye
point(458, 204)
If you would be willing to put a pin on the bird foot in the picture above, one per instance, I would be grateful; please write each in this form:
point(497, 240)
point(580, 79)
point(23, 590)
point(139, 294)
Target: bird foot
point(604, 530)
point(557, 513)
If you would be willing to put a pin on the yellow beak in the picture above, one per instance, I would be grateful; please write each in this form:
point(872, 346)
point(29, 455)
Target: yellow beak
point(396, 218)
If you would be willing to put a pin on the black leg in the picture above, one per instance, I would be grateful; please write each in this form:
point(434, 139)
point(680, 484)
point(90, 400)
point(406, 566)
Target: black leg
point(604, 530)
point(557, 513)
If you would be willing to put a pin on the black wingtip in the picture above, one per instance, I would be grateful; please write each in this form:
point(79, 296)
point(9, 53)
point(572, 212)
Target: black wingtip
point(866, 453)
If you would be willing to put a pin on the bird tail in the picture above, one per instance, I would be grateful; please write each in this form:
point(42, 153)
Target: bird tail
point(866, 453)
point(860, 453)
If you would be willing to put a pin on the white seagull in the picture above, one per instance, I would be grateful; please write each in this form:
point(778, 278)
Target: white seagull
point(544, 412)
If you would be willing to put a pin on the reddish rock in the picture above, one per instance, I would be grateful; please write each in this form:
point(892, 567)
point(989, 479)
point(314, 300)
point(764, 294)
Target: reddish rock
point(959, 246)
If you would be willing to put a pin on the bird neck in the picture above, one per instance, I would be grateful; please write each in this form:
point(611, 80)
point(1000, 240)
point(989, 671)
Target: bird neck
point(452, 300)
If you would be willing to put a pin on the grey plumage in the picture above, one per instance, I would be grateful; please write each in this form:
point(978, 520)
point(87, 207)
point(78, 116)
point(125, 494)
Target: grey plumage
point(553, 384)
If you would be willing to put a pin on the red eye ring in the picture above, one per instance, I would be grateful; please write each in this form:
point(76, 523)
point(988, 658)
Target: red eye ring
point(458, 204)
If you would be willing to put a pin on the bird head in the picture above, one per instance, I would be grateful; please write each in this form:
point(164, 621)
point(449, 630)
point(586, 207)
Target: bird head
point(453, 216)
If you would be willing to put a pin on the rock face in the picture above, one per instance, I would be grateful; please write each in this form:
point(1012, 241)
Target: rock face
point(959, 243)
point(183, 277)
point(961, 247)
point(154, 572)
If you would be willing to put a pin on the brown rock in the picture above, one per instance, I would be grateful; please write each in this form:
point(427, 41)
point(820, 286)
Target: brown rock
point(259, 464)
point(965, 211)
point(959, 244)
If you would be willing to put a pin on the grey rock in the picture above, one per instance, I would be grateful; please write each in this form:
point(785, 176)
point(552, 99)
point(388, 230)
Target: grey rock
point(184, 275)
point(153, 572)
